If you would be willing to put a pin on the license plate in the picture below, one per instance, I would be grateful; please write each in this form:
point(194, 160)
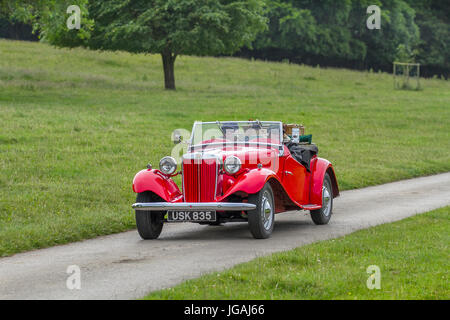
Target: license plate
point(191, 216)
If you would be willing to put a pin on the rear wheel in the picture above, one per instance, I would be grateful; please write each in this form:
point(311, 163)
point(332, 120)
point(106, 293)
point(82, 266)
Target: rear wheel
point(261, 220)
point(323, 215)
point(149, 223)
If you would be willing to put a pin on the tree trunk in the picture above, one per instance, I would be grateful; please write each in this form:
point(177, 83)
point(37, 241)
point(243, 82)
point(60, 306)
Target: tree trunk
point(168, 64)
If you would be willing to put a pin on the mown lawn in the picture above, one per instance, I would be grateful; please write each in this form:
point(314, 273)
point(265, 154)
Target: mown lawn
point(76, 125)
point(412, 254)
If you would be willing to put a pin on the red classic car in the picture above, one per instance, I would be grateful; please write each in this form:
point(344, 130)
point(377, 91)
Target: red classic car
point(236, 171)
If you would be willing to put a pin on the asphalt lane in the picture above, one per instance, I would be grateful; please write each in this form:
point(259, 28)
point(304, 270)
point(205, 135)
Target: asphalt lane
point(122, 266)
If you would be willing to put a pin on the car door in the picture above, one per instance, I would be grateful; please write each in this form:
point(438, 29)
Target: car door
point(295, 179)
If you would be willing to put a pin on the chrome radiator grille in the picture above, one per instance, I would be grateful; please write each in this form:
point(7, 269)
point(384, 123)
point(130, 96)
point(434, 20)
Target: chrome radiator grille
point(199, 178)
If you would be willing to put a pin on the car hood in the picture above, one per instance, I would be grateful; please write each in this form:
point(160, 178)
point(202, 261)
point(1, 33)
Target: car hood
point(249, 155)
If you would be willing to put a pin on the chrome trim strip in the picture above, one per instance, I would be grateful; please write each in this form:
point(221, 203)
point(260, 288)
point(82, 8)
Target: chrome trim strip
point(182, 178)
point(238, 121)
point(199, 178)
point(237, 143)
point(281, 149)
point(226, 144)
point(163, 206)
point(217, 178)
point(198, 156)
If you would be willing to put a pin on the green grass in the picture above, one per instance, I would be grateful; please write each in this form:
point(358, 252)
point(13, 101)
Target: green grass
point(412, 254)
point(76, 125)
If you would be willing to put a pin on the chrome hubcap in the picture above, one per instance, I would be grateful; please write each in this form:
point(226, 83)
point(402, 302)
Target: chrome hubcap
point(326, 200)
point(266, 212)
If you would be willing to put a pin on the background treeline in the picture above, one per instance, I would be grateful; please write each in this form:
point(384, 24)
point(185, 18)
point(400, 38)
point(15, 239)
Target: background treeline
point(16, 30)
point(334, 33)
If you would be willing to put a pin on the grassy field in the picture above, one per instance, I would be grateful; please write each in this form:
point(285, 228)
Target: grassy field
point(412, 254)
point(76, 125)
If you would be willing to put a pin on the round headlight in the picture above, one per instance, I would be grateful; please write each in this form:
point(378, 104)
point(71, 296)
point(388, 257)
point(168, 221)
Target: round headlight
point(232, 164)
point(168, 165)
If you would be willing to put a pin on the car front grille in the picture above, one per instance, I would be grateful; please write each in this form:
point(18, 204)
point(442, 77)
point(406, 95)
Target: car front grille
point(199, 178)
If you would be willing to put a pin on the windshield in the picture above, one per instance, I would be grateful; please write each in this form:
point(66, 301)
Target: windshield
point(237, 132)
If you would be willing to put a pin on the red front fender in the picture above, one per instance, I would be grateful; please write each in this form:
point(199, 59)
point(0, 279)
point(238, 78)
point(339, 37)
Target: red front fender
point(153, 180)
point(251, 182)
point(319, 167)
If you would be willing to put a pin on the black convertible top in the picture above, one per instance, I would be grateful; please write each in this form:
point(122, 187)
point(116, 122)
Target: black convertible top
point(303, 153)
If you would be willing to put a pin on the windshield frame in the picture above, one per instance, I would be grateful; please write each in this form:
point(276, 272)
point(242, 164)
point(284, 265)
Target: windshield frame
point(279, 146)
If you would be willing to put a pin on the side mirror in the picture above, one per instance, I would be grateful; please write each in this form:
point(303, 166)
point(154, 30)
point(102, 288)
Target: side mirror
point(177, 137)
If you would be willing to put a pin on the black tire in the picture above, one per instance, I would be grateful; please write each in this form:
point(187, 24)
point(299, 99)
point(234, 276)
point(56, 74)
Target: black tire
point(149, 223)
point(261, 224)
point(323, 215)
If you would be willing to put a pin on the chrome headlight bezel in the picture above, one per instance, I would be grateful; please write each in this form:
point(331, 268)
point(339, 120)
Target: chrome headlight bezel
point(168, 165)
point(232, 164)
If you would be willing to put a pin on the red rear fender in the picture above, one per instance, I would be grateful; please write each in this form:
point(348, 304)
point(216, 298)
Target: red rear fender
point(319, 167)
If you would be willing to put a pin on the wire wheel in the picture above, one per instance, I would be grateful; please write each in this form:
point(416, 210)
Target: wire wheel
point(266, 211)
point(323, 215)
point(261, 220)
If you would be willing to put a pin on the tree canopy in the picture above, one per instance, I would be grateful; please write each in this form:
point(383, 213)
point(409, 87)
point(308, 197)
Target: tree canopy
point(325, 32)
point(308, 31)
point(48, 19)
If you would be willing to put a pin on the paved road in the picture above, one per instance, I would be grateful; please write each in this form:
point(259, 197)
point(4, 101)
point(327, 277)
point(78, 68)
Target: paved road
point(122, 266)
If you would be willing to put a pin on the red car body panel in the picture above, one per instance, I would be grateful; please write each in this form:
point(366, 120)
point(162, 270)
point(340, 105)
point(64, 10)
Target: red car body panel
point(250, 182)
point(156, 182)
point(319, 167)
point(294, 187)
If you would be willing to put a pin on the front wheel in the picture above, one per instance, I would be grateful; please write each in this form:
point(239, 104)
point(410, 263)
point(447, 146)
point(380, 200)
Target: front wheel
point(149, 223)
point(323, 215)
point(261, 220)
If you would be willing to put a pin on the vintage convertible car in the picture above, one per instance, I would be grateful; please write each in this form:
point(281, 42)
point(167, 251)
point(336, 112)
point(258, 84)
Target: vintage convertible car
point(236, 171)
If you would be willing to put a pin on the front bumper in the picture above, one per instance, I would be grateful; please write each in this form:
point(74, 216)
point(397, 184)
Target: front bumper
point(180, 206)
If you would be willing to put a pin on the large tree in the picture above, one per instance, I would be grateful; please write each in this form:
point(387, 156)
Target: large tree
point(174, 27)
point(167, 27)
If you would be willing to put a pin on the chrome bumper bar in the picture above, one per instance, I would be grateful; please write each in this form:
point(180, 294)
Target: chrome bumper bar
point(219, 206)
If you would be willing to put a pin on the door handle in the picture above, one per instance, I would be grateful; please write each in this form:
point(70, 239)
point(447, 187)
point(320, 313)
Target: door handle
point(288, 172)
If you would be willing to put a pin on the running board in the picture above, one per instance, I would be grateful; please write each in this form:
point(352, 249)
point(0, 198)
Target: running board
point(311, 207)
